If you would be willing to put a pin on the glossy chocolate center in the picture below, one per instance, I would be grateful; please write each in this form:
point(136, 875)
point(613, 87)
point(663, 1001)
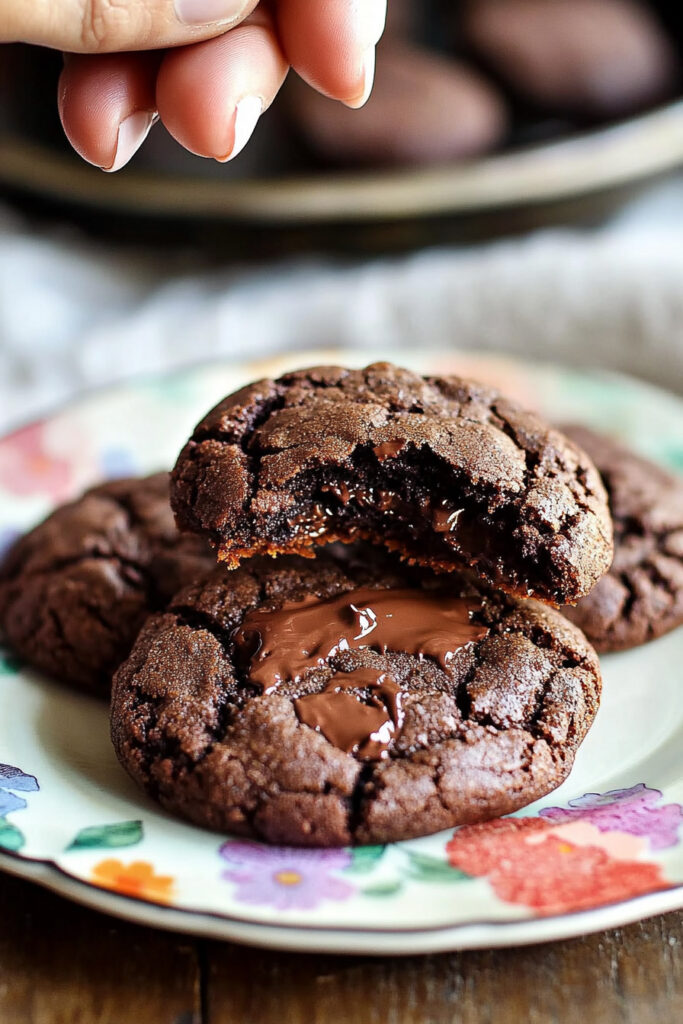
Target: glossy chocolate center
point(366, 728)
point(282, 644)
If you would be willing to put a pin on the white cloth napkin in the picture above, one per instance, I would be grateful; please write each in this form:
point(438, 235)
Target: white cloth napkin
point(74, 315)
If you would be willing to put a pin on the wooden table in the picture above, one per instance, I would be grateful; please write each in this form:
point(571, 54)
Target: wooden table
point(63, 964)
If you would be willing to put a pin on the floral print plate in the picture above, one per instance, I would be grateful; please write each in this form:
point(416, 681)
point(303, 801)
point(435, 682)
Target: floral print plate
point(604, 849)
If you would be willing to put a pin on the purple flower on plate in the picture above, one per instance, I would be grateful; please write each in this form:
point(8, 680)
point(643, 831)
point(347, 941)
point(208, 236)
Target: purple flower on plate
point(10, 802)
point(117, 462)
point(8, 535)
point(632, 811)
point(14, 779)
point(285, 877)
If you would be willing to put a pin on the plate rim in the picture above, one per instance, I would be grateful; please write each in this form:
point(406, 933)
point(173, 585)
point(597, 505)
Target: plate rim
point(355, 357)
point(612, 156)
point(345, 941)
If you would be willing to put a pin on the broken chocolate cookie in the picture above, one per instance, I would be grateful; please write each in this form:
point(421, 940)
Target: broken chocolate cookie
point(448, 472)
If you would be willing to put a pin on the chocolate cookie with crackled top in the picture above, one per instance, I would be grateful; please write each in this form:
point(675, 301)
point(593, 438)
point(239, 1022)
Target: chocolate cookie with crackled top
point(642, 595)
point(447, 472)
point(75, 590)
point(327, 702)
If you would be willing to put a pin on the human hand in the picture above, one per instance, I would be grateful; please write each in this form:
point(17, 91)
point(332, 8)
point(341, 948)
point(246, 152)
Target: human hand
point(207, 68)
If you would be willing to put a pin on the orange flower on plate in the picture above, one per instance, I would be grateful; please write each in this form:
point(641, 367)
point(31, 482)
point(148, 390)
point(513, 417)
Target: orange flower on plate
point(137, 879)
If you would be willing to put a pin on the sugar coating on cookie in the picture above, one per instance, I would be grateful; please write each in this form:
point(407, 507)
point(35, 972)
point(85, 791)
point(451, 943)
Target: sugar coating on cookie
point(642, 595)
point(328, 702)
point(448, 472)
point(75, 590)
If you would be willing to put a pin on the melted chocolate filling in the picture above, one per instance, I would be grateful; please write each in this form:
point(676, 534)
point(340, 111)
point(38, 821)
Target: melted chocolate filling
point(427, 512)
point(301, 635)
point(364, 728)
point(281, 645)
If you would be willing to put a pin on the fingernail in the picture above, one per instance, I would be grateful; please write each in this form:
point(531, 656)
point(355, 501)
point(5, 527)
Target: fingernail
point(374, 15)
point(133, 131)
point(247, 114)
point(207, 12)
point(368, 79)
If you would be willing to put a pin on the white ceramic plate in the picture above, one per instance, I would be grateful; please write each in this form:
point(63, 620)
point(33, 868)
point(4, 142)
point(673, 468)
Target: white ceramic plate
point(610, 852)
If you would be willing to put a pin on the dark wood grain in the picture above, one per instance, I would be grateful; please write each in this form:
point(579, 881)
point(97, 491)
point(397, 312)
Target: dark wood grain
point(63, 964)
point(630, 976)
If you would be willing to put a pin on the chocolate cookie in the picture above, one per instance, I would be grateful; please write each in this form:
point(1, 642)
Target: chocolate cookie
point(321, 703)
point(448, 472)
point(601, 58)
point(642, 595)
point(76, 589)
point(446, 111)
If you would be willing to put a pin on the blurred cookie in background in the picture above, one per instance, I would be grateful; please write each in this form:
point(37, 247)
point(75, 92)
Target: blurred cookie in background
point(454, 82)
point(424, 108)
point(597, 58)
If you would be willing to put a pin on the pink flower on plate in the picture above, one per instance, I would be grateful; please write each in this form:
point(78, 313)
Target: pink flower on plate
point(28, 467)
point(617, 845)
point(285, 877)
point(632, 811)
point(530, 863)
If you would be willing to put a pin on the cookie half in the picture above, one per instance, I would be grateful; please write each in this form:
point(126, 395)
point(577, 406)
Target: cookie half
point(76, 589)
point(448, 472)
point(321, 702)
point(642, 595)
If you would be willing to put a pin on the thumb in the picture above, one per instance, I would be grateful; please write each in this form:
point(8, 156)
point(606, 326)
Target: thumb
point(107, 26)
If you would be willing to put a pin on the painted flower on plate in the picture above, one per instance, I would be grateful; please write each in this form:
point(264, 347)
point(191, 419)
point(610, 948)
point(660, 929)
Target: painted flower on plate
point(552, 870)
point(285, 877)
point(117, 462)
point(13, 780)
point(9, 802)
point(8, 535)
point(28, 467)
point(137, 879)
point(9, 665)
point(633, 811)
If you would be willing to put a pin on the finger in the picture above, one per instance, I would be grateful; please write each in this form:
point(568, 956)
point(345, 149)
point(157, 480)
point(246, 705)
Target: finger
point(107, 105)
point(107, 26)
point(210, 96)
point(331, 44)
point(424, 109)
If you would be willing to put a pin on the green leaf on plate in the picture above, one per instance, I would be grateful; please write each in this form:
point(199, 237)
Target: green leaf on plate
point(9, 666)
point(381, 889)
point(673, 455)
point(107, 837)
point(364, 859)
point(10, 836)
point(424, 868)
